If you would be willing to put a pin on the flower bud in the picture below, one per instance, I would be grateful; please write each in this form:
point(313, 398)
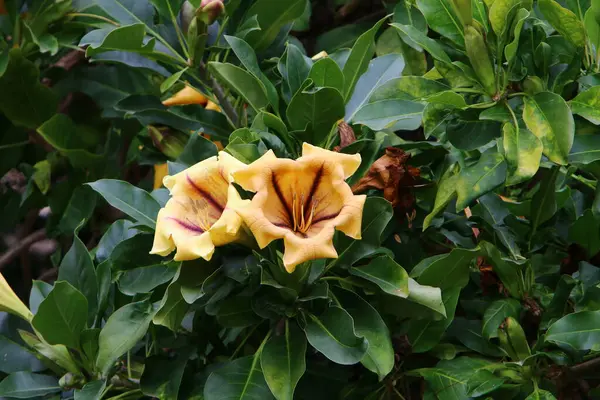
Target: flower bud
point(168, 141)
point(185, 96)
point(210, 10)
point(10, 303)
point(186, 15)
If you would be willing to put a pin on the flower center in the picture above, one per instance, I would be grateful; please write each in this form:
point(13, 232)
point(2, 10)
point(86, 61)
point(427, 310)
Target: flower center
point(199, 214)
point(302, 223)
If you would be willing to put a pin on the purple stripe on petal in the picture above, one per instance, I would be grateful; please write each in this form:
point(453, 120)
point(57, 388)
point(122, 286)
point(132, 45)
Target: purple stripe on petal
point(187, 225)
point(207, 196)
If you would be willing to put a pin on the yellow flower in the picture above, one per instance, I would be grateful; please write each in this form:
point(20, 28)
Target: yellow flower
point(10, 303)
point(200, 214)
point(302, 202)
point(187, 95)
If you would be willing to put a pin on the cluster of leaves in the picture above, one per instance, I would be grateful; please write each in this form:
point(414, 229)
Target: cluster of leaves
point(477, 275)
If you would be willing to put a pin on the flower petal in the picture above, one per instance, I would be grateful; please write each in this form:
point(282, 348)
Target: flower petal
point(299, 249)
point(195, 247)
point(348, 162)
point(253, 176)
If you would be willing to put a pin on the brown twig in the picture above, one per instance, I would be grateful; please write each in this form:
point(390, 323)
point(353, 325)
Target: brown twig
point(23, 245)
point(585, 366)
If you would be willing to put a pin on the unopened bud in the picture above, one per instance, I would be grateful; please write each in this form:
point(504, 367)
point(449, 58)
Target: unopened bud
point(168, 141)
point(210, 10)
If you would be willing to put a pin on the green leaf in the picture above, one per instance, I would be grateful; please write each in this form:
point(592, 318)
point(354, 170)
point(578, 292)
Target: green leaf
point(523, 152)
point(495, 315)
point(237, 312)
point(133, 201)
point(564, 21)
point(540, 394)
point(124, 38)
point(468, 332)
point(585, 150)
point(23, 99)
point(241, 379)
point(510, 273)
point(120, 230)
point(77, 268)
point(587, 105)
point(369, 324)
point(62, 134)
point(25, 385)
point(592, 27)
point(478, 179)
point(446, 191)
point(385, 273)
point(425, 334)
point(483, 382)
point(543, 204)
point(579, 331)
point(421, 39)
point(144, 279)
point(316, 109)
point(549, 118)
point(510, 51)
point(499, 14)
point(91, 391)
point(296, 69)
point(162, 375)
point(246, 55)
point(127, 12)
point(62, 315)
point(79, 209)
point(334, 335)
point(172, 308)
point(447, 271)
point(170, 81)
point(272, 15)
point(377, 212)
point(586, 232)
point(471, 134)
point(17, 358)
point(380, 71)
point(283, 362)
point(428, 296)
point(122, 331)
point(441, 18)
point(326, 73)
point(359, 58)
point(391, 114)
point(242, 82)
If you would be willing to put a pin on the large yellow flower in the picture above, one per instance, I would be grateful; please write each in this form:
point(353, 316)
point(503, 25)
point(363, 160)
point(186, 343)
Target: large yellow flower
point(200, 214)
point(301, 202)
point(10, 303)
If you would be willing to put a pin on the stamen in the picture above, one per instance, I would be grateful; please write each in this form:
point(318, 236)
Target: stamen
point(294, 211)
point(302, 225)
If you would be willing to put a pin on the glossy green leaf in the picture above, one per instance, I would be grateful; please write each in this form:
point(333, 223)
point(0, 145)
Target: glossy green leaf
point(241, 379)
point(334, 335)
point(133, 201)
point(579, 331)
point(428, 44)
point(62, 315)
point(368, 323)
point(296, 68)
point(124, 38)
point(564, 21)
point(380, 71)
point(446, 191)
point(540, 394)
point(428, 296)
point(523, 152)
point(237, 312)
point(23, 99)
point(283, 361)
point(499, 13)
point(483, 382)
point(480, 178)
point(359, 59)
point(393, 114)
point(316, 109)
point(585, 150)
point(510, 51)
point(449, 270)
point(441, 17)
point(272, 15)
point(144, 279)
point(91, 391)
point(587, 105)
point(495, 315)
point(326, 73)
point(242, 82)
point(385, 273)
point(162, 375)
point(471, 134)
point(586, 233)
point(543, 204)
point(17, 358)
point(77, 268)
point(468, 332)
point(424, 334)
point(25, 385)
point(122, 331)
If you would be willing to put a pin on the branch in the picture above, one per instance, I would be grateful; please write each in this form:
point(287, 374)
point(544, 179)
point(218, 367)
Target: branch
point(220, 94)
point(22, 246)
point(585, 366)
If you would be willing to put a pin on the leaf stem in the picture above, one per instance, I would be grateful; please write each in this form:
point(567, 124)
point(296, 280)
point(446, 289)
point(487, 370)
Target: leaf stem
point(13, 145)
point(243, 342)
